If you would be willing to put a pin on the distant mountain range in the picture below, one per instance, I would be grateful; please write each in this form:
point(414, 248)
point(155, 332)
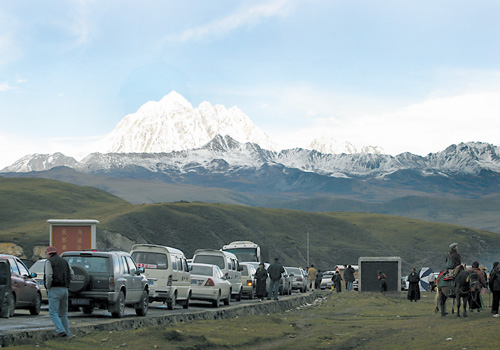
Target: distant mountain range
point(170, 151)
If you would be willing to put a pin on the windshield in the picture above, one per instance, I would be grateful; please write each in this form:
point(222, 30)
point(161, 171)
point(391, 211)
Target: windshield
point(38, 267)
point(295, 271)
point(201, 270)
point(210, 259)
point(151, 260)
point(244, 254)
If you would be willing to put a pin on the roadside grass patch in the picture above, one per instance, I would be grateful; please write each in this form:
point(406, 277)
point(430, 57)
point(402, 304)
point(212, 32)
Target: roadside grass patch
point(338, 321)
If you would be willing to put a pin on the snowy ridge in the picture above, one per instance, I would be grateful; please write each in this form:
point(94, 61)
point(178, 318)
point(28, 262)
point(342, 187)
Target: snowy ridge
point(224, 154)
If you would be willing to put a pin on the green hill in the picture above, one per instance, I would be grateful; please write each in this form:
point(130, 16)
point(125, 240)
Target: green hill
point(334, 237)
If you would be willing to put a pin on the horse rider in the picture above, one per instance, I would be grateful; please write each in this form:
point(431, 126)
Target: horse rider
point(453, 259)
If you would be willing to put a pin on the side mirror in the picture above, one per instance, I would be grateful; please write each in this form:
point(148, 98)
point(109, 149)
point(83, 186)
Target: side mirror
point(140, 270)
point(240, 268)
point(33, 275)
point(291, 275)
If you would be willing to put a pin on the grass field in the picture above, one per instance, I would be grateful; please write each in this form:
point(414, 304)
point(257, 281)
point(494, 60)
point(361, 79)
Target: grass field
point(334, 321)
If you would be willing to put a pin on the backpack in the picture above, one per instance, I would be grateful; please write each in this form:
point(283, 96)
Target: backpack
point(450, 263)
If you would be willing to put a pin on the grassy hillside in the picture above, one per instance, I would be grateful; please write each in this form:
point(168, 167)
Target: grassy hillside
point(334, 237)
point(481, 213)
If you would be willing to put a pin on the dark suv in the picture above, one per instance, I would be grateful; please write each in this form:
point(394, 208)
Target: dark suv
point(107, 279)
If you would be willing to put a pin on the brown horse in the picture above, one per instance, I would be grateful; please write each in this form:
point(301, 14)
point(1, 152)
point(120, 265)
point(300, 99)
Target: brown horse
point(459, 289)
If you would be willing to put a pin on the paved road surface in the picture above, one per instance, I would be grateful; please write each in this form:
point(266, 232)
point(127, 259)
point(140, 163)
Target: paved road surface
point(23, 321)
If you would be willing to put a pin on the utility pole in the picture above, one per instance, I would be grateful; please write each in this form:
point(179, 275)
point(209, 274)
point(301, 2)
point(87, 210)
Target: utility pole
point(307, 246)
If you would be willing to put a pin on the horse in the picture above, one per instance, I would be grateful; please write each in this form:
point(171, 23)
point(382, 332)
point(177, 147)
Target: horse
point(459, 289)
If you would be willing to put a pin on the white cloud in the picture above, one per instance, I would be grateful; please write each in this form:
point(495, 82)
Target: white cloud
point(4, 86)
point(245, 16)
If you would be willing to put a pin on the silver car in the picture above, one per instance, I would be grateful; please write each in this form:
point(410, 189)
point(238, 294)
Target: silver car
point(298, 278)
point(248, 280)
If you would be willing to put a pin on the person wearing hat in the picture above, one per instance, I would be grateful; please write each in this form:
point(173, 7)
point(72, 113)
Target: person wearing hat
point(57, 278)
point(453, 259)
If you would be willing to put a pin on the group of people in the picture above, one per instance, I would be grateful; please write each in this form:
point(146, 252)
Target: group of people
point(478, 280)
point(273, 272)
point(315, 277)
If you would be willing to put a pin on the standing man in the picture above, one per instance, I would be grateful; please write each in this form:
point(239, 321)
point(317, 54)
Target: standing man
point(274, 271)
point(57, 278)
point(312, 272)
point(494, 284)
point(349, 277)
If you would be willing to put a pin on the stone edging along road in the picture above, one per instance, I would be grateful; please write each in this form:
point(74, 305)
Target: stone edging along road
point(265, 307)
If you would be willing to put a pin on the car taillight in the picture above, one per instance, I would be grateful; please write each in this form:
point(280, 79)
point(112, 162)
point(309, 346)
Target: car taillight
point(249, 283)
point(209, 283)
point(111, 283)
point(169, 282)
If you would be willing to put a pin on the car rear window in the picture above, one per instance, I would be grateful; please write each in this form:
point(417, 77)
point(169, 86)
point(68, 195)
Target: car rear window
point(210, 259)
point(89, 263)
point(201, 270)
point(150, 260)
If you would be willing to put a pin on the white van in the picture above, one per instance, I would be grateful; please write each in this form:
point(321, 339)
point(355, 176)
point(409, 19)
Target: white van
point(227, 262)
point(167, 272)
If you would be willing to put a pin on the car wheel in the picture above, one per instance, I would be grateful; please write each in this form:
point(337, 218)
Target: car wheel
point(12, 305)
point(216, 302)
point(171, 304)
point(227, 301)
point(142, 306)
point(186, 303)
point(87, 310)
point(238, 296)
point(80, 280)
point(37, 305)
point(119, 306)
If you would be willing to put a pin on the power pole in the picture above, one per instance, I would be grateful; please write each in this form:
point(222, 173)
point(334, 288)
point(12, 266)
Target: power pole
point(307, 246)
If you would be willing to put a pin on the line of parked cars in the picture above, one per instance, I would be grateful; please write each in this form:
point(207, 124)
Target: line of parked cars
point(149, 273)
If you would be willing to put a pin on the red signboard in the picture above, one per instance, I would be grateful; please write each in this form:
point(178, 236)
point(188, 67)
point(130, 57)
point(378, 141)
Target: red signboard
point(66, 238)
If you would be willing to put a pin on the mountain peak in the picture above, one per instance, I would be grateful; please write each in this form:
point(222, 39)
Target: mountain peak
point(172, 124)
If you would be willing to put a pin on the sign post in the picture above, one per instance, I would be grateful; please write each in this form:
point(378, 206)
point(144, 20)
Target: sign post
point(69, 234)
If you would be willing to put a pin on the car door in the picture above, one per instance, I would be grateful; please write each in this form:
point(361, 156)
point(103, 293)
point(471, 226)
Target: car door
point(18, 285)
point(134, 284)
point(30, 285)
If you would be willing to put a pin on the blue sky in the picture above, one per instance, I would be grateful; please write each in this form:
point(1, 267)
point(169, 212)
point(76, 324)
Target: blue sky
point(411, 76)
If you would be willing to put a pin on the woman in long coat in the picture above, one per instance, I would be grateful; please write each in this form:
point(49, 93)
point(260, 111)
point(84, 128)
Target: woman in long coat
point(413, 287)
point(261, 277)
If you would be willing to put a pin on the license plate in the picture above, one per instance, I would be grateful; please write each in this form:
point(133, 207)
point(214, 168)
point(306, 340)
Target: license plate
point(40, 283)
point(80, 301)
point(151, 283)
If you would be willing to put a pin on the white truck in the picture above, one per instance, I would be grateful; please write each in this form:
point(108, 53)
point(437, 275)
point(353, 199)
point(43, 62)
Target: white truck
point(245, 251)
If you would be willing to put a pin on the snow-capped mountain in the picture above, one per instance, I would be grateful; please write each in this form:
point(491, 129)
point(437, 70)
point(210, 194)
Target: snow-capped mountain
point(172, 124)
point(325, 144)
point(466, 158)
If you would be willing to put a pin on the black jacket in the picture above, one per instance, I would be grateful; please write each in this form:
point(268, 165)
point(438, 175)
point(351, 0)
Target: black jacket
point(494, 280)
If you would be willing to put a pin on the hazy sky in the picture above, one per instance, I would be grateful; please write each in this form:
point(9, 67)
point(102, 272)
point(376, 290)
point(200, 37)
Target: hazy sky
point(412, 76)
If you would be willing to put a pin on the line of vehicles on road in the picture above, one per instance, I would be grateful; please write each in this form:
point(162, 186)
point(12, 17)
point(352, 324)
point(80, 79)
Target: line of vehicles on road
point(148, 273)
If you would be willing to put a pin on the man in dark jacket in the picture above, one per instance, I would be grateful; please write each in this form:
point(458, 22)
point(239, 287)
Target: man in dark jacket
point(349, 277)
point(274, 271)
point(57, 278)
point(494, 282)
